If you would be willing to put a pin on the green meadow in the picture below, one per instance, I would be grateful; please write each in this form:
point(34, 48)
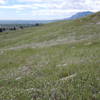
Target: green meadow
point(55, 61)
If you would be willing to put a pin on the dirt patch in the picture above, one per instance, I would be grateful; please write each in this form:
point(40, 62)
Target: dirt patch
point(98, 23)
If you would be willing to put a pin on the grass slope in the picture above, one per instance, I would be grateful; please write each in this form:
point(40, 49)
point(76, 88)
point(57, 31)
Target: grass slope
point(56, 61)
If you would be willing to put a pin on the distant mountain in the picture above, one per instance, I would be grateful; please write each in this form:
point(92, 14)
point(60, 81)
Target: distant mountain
point(80, 14)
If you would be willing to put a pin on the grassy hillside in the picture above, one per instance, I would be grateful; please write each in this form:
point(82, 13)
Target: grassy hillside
point(56, 61)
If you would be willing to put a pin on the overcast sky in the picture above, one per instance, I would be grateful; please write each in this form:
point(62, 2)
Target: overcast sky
point(44, 9)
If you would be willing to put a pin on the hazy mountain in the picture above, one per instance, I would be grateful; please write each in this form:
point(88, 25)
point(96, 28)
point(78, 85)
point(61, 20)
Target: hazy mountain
point(25, 21)
point(80, 14)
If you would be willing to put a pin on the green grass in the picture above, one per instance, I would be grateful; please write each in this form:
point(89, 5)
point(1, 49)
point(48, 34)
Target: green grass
point(64, 71)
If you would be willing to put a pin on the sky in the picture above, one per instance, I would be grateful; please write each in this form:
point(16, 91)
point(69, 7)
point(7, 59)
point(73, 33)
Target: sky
point(44, 9)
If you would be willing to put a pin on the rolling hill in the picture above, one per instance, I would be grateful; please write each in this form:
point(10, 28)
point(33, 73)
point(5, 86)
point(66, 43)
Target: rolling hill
point(55, 61)
point(80, 15)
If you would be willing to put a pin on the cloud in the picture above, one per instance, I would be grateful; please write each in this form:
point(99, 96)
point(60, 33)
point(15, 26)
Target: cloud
point(92, 5)
point(40, 1)
point(50, 8)
point(15, 6)
point(31, 0)
point(2, 1)
point(81, 5)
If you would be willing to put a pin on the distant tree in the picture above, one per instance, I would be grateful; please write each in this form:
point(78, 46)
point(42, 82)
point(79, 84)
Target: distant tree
point(1, 30)
point(21, 27)
point(14, 28)
point(37, 24)
point(11, 29)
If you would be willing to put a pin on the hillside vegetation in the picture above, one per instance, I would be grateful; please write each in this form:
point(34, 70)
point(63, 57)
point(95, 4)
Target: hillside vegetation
point(56, 61)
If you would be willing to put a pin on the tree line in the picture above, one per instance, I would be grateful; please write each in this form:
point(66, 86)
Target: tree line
point(4, 28)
